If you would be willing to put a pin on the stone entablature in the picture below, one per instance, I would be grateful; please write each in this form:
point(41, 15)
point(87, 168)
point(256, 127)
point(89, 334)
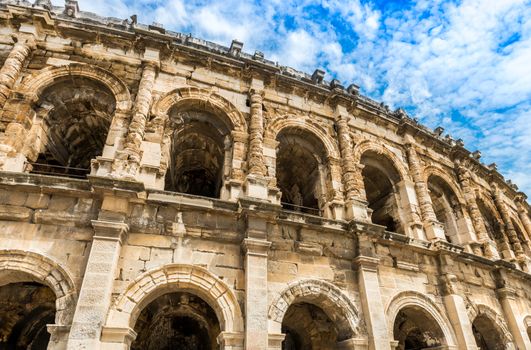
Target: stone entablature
point(140, 164)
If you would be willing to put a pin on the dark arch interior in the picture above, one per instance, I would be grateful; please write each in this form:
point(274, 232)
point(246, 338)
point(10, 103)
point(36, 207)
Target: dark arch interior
point(379, 177)
point(197, 154)
point(308, 327)
point(77, 113)
point(491, 224)
point(299, 169)
point(177, 321)
point(25, 310)
point(415, 329)
point(487, 335)
point(445, 205)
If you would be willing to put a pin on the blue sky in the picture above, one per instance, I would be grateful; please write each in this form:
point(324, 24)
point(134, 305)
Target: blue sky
point(463, 65)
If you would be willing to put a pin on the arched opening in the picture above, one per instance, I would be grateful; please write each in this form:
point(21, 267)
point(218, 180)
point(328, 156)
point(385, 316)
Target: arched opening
point(446, 206)
point(25, 310)
point(487, 334)
point(74, 115)
point(177, 320)
point(415, 329)
point(308, 327)
point(199, 147)
point(380, 178)
point(302, 171)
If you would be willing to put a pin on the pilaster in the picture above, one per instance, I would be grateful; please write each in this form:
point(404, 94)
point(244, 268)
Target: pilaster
point(95, 294)
point(509, 228)
point(371, 302)
point(507, 297)
point(256, 247)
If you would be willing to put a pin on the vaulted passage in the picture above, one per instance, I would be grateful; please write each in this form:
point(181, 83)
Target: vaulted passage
point(174, 321)
point(308, 327)
point(25, 310)
point(197, 154)
point(301, 172)
point(487, 334)
point(415, 329)
point(380, 178)
point(74, 114)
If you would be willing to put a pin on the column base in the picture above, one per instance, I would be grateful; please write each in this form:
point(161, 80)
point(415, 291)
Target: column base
point(356, 209)
point(434, 230)
point(255, 186)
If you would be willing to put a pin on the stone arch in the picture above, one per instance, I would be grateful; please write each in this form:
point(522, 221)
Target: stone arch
point(367, 145)
point(418, 300)
point(325, 295)
point(435, 171)
point(177, 277)
point(34, 84)
point(203, 99)
point(304, 123)
point(22, 266)
point(477, 310)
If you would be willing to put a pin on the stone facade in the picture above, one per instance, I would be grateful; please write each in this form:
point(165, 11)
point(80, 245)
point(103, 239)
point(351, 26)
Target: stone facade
point(157, 190)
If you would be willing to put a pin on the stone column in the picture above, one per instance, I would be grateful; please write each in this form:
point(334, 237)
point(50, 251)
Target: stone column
point(256, 182)
point(140, 113)
point(489, 246)
point(16, 118)
point(13, 65)
point(509, 228)
point(434, 229)
point(455, 304)
point(233, 184)
point(507, 297)
point(355, 200)
point(523, 214)
point(95, 294)
point(371, 299)
point(256, 247)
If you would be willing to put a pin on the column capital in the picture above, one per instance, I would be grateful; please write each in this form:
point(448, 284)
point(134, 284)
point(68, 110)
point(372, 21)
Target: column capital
point(275, 340)
point(108, 230)
point(506, 293)
point(258, 247)
point(366, 263)
point(118, 335)
point(229, 339)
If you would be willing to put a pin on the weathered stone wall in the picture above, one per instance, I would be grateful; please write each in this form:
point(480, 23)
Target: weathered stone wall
point(390, 236)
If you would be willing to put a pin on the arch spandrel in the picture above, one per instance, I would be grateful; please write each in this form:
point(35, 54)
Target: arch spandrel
point(365, 146)
point(19, 266)
point(201, 99)
point(171, 278)
point(32, 86)
point(416, 299)
point(292, 121)
point(322, 294)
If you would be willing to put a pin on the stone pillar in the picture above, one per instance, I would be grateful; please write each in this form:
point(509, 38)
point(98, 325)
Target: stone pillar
point(455, 304)
point(371, 302)
point(408, 205)
point(95, 294)
point(234, 166)
point(434, 229)
point(355, 200)
point(256, 182)
point(507, 297)
point(140, 113)
point(256, 247)
point(489, 246)
point(509, 228)
point(523, 214)
point(13, 65)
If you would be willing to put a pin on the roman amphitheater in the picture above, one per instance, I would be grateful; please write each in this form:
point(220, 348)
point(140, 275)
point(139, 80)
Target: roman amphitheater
point(158, 191)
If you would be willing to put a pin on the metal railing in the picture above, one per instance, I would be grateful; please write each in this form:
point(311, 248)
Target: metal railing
point(57, 170)
point(301, 209)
